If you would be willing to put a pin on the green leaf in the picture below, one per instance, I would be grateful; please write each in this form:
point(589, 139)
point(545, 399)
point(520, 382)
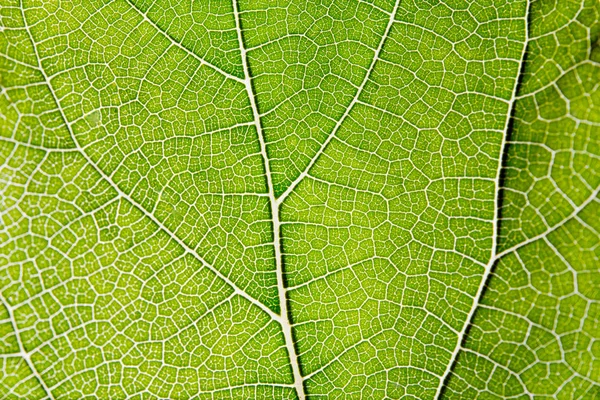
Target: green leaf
point(299, 199)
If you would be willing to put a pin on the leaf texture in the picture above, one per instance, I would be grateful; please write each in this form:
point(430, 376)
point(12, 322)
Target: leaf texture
point(299, 199)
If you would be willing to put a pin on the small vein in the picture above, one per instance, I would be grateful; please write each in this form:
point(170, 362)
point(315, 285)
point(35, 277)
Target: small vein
point(22, 352)
point(574, 214)
point(337, 126)
point(9, 309)
point(181, 46)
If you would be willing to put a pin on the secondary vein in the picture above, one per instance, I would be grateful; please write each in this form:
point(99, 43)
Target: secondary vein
point(180, 45)
point(495, 225)
point(337, 126)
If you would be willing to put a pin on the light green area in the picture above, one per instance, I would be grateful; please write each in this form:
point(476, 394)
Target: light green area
point(109, 305)
point(143, 198)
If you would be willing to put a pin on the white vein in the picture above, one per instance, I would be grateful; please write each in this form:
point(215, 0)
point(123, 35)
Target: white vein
point(337, 126)
point(181, 46)
point(497, 183)
point(286, 326)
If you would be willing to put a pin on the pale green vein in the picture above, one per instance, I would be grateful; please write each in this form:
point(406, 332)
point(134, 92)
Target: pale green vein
point(22, 352)
point(284, 321)
point(354, 100)
point(181, 46)
point(495, 226)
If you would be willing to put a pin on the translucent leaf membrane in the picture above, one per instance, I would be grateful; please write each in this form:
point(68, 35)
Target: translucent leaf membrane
point(305, 199)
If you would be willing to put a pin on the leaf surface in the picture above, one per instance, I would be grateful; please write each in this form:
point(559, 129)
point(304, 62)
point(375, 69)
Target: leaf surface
point(306, 199)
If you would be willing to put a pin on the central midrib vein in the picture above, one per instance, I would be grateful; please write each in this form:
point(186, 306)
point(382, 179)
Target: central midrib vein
point(275, 202)
point(286, 326)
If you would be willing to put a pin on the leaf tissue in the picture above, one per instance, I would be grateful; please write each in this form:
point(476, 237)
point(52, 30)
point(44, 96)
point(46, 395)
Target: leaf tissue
point(299, 199)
